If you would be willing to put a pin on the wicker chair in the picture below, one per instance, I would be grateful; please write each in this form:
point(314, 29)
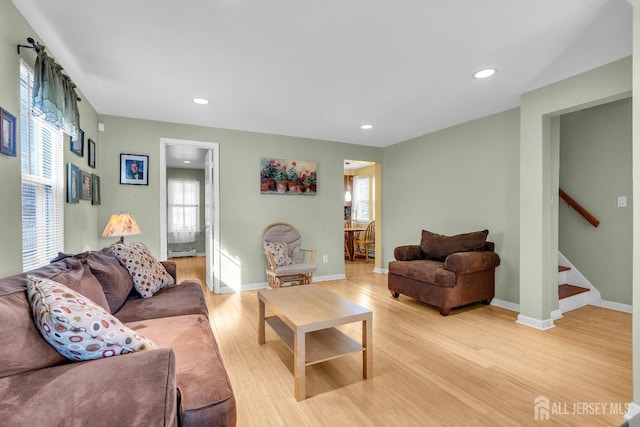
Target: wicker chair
point(285, 256)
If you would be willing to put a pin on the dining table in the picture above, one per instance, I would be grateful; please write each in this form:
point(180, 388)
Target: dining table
point(350, 236)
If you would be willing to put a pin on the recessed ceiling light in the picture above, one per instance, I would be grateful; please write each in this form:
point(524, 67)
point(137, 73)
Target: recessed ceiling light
point(366, 127)
point(201, 101)
point(483, 74)
point(186, 161)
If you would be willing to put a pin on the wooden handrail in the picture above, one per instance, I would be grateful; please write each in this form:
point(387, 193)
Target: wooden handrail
point(582, 211)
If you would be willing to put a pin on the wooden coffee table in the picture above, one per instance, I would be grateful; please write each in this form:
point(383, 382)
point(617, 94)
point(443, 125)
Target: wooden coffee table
point(304, 317)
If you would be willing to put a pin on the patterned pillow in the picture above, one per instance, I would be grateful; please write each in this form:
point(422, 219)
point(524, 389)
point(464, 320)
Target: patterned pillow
point(149, 276)
point(76, 327)
point(280, 251)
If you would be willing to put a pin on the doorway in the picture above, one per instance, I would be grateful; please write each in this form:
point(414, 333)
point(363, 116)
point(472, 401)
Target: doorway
point(203, 156)
point(361, 210)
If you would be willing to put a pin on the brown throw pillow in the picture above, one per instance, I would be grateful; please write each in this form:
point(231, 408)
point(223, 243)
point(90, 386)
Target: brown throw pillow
point(438, 247)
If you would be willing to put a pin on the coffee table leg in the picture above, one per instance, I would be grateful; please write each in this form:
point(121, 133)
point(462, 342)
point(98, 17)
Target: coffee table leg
point(260, 321)
point(367, 343)
point(299, 365)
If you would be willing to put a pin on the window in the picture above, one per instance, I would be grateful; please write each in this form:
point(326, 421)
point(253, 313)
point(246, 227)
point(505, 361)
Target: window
point(362, 190)
point(184, 210)
point(42, 182)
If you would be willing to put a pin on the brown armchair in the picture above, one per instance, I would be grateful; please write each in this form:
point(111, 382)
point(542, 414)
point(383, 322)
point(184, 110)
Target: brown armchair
point(445, 271)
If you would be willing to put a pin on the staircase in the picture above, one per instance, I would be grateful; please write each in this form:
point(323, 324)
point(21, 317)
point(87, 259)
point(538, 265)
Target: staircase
point(575, 295)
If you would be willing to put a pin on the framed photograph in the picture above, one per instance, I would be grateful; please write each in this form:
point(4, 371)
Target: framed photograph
point(296, 177)
point(95, 189)
point(85, 179)
point(8, 133)
point(76, 145)
point(92, 153)
point(73, 183)
point(134, 169)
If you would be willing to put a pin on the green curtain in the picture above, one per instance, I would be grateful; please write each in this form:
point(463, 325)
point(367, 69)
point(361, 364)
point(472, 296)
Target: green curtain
point(54, 95)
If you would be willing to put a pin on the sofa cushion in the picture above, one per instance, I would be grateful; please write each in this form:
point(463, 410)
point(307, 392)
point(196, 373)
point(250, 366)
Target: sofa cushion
point(76, 326)
point(438, 247)
point(113, 277)
point(205, 389)
point(185, 298)
point(280, 251)
point(80, 279)
point(149, 276)
point(428, 271)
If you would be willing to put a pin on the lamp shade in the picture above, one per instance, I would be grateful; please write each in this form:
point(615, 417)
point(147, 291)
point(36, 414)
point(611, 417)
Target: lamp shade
point(121, 225)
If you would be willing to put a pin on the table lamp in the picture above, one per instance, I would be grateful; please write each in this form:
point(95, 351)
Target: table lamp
point(121, 224)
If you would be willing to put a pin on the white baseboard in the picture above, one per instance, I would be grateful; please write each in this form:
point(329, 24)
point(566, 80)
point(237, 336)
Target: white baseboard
point(625, 308)
point(381, 270)
point(632, 411)
point(542, 325)
point(512, 306)
point(329, 277)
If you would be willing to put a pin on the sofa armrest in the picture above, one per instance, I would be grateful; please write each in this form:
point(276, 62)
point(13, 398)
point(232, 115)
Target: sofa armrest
point(126, 390)
point(408, 253)
point(470, 262)
point(171, 268)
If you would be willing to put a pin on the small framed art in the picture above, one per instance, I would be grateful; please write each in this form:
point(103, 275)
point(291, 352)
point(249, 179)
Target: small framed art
point(92, 153)
point(76, 145)
point(95, 190)
point(85, 193)
point(134, 169)
point(73, 183)
point(8, 133)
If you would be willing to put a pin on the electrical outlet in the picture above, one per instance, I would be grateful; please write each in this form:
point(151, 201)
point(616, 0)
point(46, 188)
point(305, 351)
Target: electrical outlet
point(325, 258)
point(622, 201)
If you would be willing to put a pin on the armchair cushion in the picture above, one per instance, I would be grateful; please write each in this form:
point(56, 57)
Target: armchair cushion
point(280, 251)
point(470, 262)
point(295, 269)
point(438, 247)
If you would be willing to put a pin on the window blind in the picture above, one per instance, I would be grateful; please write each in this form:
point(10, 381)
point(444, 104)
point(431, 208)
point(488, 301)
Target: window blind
point(42, 182)
point(361, 186)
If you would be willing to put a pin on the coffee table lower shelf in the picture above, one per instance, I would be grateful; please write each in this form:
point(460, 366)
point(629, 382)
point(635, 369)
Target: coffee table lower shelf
point(321, 345)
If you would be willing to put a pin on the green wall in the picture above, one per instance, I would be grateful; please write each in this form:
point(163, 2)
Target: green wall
point(595, 168)
point(194, 174)
point(460, 179)
point(244, 212)
point(81, 226)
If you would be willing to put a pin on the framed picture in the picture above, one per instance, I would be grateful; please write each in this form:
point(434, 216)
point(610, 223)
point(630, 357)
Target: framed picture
point(297, 177)
point(95, 187)
point(73, 183)
point(134, 169)
point(92, 153)
point(85, 179)
point(8, 132)
point(76, 145)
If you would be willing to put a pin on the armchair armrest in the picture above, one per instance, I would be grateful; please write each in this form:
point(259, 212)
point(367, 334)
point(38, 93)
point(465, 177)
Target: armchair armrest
point(408, 253)
point(312, 257)
point(470, 262)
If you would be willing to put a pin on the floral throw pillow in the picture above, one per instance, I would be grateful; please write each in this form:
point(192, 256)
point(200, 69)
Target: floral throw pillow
point(280, 251)
point(76, 327)
point(149, 276)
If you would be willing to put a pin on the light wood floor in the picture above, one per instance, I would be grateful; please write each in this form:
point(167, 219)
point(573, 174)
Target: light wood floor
point(476, 367)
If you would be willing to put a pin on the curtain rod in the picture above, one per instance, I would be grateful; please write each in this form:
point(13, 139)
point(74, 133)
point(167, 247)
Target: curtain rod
point(33, 45)
point(37, 47)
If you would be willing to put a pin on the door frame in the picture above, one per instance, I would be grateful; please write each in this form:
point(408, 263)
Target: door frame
point(215, 214)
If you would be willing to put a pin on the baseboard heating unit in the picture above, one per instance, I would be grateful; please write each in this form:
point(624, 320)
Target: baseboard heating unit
point(181, 253)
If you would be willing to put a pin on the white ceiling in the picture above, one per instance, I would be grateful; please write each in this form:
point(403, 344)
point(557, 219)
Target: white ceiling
point(320, 69)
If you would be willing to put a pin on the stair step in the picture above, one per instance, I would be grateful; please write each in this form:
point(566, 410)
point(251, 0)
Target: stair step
point(566, 290)
point(562, 268)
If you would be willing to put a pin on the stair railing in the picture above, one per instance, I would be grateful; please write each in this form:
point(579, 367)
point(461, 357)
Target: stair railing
point(578, 207)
